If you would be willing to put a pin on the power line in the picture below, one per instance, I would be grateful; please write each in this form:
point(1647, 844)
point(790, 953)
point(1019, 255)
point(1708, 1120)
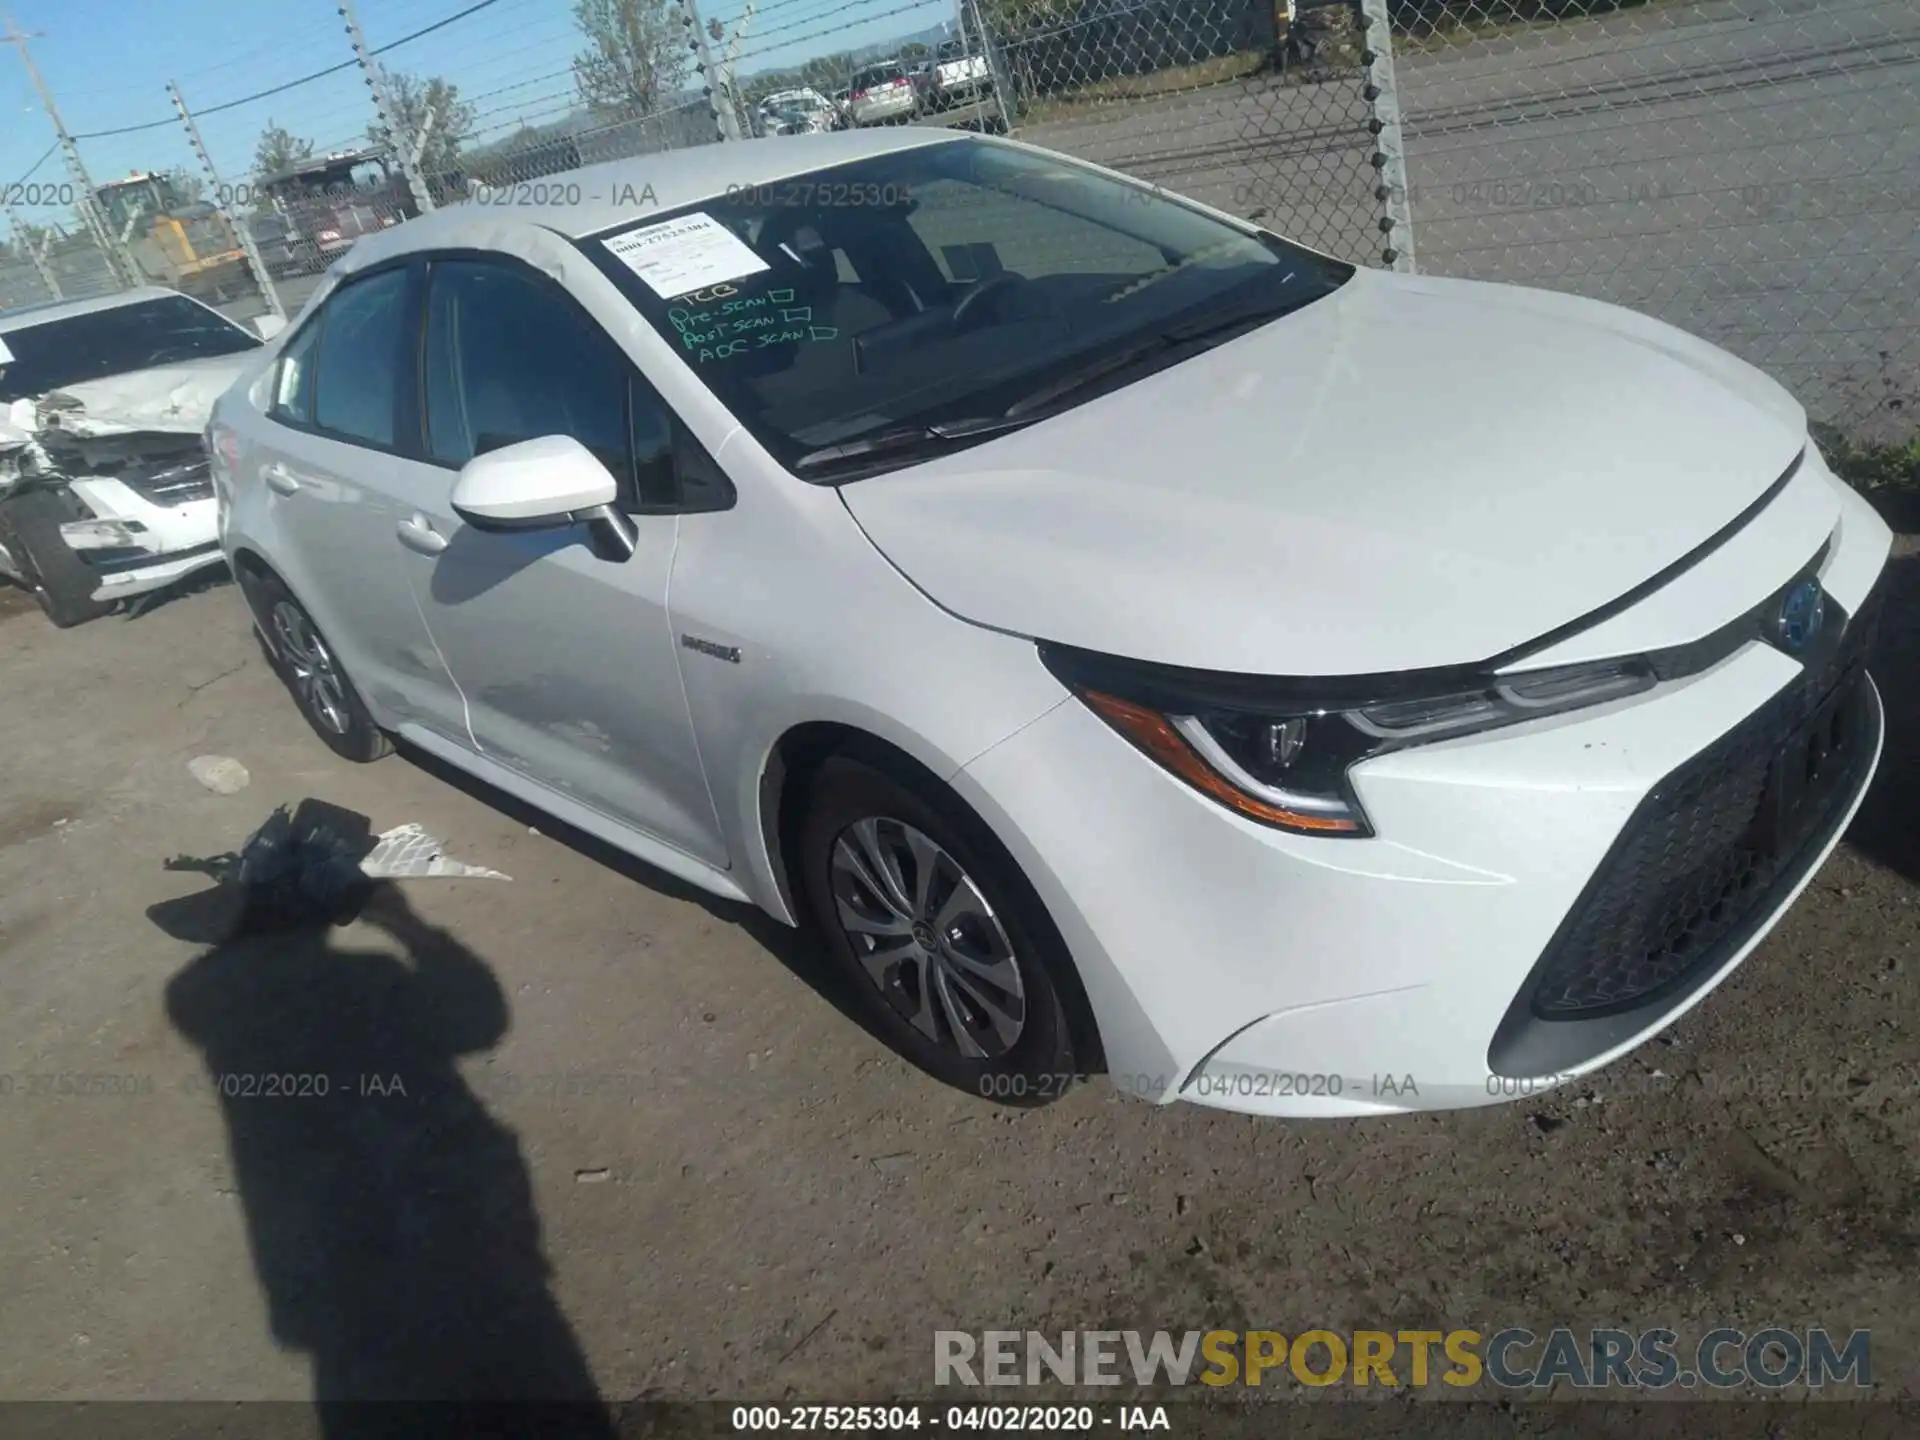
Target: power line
point(832, 29)
point(34, 168)
point(291, 84)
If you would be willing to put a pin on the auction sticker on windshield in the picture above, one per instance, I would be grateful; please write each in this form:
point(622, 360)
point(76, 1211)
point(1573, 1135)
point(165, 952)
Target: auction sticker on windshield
point(689, 253)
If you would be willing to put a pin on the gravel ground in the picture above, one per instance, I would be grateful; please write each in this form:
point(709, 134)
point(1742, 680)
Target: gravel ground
point(731, 1190)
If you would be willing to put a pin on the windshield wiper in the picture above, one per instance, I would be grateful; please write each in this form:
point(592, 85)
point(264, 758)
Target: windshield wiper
point(1212, 331)
point(906, 440)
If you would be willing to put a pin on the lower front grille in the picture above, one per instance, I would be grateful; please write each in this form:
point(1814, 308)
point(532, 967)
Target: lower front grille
point(1703, 860)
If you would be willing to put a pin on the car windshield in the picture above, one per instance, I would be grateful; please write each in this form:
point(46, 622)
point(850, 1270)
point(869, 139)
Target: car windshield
point(961, 284)
point(65, 352)
point(877, 75)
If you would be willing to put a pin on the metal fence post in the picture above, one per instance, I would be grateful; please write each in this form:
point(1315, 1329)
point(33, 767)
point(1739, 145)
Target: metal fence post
point(241, 233)
point(1389, 158)
point(725, 119)
point(996, 62)
point(23, 241)
point(397, 144)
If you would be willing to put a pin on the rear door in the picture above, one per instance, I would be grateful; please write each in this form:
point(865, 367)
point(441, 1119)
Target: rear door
point(330, 456)
point(568, 662)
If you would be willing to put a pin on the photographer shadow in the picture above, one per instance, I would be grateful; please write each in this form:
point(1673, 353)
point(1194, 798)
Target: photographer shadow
point(390, 1217)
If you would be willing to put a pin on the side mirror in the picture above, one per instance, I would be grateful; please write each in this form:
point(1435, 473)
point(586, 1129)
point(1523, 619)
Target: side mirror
point(269, 327)
point(545, 484)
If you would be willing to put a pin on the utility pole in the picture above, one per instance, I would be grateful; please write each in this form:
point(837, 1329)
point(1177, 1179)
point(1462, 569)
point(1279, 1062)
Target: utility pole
point(724, 117)
point(119, 262)
point(241, 233)
point(383, 105)
point(35, 253)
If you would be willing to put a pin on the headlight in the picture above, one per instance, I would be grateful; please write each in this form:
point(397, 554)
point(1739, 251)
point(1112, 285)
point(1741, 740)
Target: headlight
point(1286, 764)
point(104, 535)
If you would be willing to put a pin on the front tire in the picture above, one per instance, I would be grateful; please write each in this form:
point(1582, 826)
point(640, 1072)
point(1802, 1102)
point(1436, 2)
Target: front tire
point(312, 674)
point(61, 581)
point(951, 954)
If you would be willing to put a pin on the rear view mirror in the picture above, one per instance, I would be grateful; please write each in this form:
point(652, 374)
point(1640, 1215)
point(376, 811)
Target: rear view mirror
point(544, 484)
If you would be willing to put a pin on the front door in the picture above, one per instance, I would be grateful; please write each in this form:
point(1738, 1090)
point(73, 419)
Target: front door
point(568, 664)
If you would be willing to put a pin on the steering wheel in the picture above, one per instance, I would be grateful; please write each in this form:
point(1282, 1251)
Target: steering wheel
point(976, 296)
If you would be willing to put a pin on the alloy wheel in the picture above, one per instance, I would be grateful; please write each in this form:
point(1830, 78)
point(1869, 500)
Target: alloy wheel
point(310, 665)
point(927, 937)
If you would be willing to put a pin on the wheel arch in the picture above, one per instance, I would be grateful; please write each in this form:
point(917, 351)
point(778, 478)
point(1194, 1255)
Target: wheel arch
point(781, 799)
point(250, 567)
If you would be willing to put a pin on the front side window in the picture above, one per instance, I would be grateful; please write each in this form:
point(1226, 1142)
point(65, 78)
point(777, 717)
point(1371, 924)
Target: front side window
point(510, 358)
point(356, 380)
point(947, 289)
point(164, 331)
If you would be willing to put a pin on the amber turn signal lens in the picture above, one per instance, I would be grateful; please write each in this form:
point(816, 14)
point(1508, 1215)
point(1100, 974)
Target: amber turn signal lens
point(1151, 732)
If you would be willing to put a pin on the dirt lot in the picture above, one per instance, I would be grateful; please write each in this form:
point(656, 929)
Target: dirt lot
point(750, 1197)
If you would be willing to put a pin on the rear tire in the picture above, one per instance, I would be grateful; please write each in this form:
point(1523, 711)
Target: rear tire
point(60, 580)
point(312, 674)
point(951, 954)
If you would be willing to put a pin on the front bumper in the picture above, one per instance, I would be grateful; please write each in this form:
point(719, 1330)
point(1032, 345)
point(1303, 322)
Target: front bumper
point(1250, 969)
point(138, 546)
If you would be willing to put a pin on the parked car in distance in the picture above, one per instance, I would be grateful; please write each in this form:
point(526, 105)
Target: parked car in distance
point(916, 536)
point(796, 112)
point(104, 490)
point(883, 93)
point(959, 76)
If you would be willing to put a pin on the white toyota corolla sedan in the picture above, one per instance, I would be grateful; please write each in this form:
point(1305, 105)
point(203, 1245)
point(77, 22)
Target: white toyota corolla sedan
point(1142, 644)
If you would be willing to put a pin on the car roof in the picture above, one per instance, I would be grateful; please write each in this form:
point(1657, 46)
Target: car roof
point(26, 316)
point(620, 191)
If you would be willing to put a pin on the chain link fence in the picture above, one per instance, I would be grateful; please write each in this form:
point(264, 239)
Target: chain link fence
point(39, 264)
point(1247, 105)
point(1747, 169)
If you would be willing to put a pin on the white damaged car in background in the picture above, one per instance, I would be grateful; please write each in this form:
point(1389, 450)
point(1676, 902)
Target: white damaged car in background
point(104, 492)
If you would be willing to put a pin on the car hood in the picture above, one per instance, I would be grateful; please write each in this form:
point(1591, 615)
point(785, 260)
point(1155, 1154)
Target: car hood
point(170, 399)
point(1411, 472)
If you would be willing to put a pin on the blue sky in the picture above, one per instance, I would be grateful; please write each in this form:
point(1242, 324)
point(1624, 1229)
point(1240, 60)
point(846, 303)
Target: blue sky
point(108, 61)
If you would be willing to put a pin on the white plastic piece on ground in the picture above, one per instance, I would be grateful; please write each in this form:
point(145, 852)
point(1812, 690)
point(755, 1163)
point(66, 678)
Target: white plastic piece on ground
point(221, 774)
point(408, 852)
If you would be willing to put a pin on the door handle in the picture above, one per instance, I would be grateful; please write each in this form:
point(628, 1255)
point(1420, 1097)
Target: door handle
point(280, 480)
point(417, 533)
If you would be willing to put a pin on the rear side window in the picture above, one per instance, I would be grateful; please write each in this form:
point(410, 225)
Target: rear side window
point(356, 377)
